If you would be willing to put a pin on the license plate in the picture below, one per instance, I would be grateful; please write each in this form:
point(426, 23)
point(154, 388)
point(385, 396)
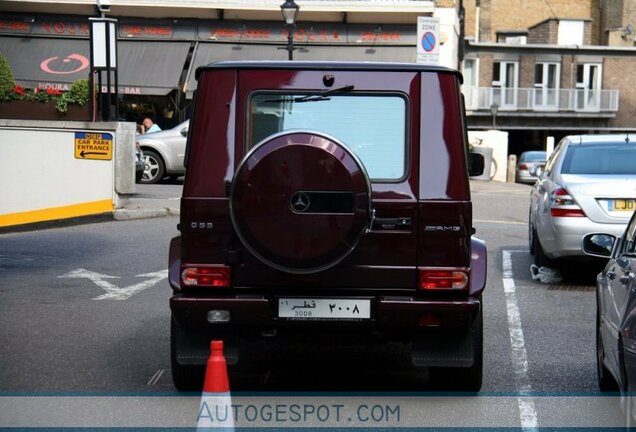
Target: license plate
point(308, 308)
point(627, 205)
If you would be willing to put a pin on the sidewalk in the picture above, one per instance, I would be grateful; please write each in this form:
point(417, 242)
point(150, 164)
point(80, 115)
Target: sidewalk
point(137, 206)
point(495, 187)
point(143, 206)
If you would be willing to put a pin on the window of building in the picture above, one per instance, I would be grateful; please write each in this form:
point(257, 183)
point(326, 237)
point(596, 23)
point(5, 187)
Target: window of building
point(505, 81)
point(570, 32)
point(471, 82)
point(516, 40)
point(546, 86)
point(588, 86)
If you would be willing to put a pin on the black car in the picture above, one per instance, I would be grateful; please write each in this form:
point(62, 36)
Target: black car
point(616, 313)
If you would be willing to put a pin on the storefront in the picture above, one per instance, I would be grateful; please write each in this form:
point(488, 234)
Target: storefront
point(158, 58)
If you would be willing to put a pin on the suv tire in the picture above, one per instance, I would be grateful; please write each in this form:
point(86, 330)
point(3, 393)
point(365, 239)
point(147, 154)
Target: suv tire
point(297, 223)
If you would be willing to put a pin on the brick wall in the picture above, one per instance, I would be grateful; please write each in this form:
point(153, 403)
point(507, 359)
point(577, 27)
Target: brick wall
point(526, 71)
point(469, 18)
point(485, 70)
point(547, 32)
point(522, 14)
point(446, 3)
point(612, 15)
point(616, 76)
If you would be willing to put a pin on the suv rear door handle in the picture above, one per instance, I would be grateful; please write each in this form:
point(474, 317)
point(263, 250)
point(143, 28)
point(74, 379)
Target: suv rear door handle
point(403, 223)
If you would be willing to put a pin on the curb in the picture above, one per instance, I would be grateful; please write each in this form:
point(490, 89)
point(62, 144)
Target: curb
point(129, 214)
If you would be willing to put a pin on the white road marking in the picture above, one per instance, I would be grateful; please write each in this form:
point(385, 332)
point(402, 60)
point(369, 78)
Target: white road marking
point(154, 379)
point(498, 222)
point(527, 411)
point(113, 292)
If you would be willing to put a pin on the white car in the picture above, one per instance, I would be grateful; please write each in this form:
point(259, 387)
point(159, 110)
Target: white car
point(587, 185)
point(163, 153)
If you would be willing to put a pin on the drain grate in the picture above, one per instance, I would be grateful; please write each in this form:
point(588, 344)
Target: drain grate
point(561, 287)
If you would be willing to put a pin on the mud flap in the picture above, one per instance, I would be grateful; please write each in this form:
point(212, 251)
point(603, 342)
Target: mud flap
point(192, 347)
point(443, 349)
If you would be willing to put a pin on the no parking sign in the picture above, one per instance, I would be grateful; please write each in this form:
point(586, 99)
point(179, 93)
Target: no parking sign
point(428, 40)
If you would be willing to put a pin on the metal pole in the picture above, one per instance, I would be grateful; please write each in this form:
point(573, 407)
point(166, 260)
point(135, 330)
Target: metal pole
point(290, 42)
point(106, 116)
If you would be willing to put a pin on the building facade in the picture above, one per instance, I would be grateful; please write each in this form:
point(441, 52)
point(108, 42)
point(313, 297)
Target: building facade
point(533, 68)
point(161, 44)
point(540, 69)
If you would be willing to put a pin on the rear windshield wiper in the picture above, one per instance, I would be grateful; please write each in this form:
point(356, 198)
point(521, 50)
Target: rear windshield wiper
point(322, 96)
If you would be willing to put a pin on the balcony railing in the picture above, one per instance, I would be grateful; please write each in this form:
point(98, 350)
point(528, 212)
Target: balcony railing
point(541, 100)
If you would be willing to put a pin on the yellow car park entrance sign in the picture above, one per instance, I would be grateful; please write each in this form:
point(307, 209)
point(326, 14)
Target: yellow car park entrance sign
point(93, 145)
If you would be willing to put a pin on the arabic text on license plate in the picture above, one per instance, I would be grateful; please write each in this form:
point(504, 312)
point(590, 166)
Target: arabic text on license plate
point(324, 308)
point(622, 205)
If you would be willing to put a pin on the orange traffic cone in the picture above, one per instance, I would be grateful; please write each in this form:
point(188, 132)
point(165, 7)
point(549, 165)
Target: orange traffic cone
point(215, 410)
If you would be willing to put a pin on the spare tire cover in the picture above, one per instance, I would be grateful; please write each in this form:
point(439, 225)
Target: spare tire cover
point(300, 201)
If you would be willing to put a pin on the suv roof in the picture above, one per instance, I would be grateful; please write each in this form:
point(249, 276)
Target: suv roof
point(322, 65)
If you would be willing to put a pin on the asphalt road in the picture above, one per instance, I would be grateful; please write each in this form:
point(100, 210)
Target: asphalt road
point(85, 309)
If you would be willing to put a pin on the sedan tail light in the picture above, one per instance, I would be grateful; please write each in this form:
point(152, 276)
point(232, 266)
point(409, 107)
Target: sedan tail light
point(563, 205)
point(523, 166)
point(208, 276)
point(443, 278)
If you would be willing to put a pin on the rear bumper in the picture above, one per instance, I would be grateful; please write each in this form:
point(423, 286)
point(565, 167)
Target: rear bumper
point(566, 239)
point(386, 313)
point(629, 356)
point(525, 177)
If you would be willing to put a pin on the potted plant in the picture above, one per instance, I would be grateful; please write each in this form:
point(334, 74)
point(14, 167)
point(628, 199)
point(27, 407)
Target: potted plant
point(17, 102)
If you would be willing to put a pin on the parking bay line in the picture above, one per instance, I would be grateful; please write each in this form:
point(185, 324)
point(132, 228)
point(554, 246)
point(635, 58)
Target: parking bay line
point(499, 222)
point(527, 411)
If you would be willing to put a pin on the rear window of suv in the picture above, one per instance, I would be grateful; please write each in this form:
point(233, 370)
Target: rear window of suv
point(372, 126)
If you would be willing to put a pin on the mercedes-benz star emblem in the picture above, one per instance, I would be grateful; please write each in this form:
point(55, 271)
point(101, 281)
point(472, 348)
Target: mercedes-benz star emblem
point(299, 202)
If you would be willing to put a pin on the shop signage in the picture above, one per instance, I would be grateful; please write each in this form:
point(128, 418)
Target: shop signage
point(91, 145)
point(44, 26)
point(157, 30)
point(221, 31)
point(123, 90)
point(72, 63)
point(328, 33)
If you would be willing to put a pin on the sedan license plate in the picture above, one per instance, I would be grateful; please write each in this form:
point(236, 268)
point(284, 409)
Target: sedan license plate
point(627, 205)
point(337, 309)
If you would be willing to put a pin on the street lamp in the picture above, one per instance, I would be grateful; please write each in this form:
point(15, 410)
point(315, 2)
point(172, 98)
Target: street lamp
point(493, 111)
point(289, 10)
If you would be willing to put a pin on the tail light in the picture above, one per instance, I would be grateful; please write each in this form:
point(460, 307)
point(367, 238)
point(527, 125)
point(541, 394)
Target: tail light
point(523, 167)
point(208, 276)
point(563, 205)
point(443, 278)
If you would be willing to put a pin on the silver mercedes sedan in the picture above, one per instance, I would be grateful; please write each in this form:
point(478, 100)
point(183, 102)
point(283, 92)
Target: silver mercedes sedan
point(587, 185)
point(163, 153)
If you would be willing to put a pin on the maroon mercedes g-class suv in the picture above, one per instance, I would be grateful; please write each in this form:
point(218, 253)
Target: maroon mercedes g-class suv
point(328, 198)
